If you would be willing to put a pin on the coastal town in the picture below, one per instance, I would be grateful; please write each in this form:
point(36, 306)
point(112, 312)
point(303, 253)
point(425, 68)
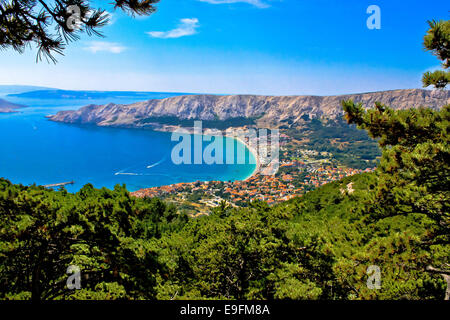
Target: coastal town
point(200, 196)
point(300, 170)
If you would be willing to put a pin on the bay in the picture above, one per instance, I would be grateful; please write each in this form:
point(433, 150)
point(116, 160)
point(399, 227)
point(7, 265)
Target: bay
point(34, 150)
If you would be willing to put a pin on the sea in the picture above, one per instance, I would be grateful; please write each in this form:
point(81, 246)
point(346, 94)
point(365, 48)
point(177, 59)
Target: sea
point(35, 150)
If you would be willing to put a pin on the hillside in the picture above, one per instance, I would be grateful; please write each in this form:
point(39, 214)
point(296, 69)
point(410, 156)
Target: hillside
point(262, 110)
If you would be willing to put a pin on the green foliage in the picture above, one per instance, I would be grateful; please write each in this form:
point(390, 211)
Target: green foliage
point(413, 176)
point(414, 170)
point(215, 123)
point(104, 232)
point(316, 247)
point(350, 147)
point(437, 40)
point(438, 78)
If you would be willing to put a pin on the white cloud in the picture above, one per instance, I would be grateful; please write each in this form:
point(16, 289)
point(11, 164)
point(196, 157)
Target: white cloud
point(256, 3)
point(187, 27)
point(99, 46)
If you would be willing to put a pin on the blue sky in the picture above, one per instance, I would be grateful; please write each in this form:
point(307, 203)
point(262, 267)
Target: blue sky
point(274, 47)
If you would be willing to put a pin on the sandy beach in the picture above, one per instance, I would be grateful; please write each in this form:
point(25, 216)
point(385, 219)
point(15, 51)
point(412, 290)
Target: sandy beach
point(252, 150)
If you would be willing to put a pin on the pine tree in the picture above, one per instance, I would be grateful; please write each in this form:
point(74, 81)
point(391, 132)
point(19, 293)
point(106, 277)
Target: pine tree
point(27, 22)
point(414, 172)
point(437, 40)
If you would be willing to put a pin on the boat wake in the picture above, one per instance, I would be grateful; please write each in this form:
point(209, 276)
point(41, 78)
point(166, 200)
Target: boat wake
point(157, 163)
point(122, 172)
point(128, 174)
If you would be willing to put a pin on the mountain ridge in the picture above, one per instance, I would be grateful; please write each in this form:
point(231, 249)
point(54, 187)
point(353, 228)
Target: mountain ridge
point(267, 110)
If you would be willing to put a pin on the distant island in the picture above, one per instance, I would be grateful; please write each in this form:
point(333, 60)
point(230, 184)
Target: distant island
point(91, 95)
point(8, 107)
point(13, 89)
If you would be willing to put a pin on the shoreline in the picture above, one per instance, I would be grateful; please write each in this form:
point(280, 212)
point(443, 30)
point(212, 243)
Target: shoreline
point(252, 151)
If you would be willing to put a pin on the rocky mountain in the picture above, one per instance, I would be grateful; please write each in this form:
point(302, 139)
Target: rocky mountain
point(265, 110)
point(6, 106)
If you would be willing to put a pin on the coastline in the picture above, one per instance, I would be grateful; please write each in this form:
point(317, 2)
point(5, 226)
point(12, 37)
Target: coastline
point(190, 130)
point(252, 151)
point(210, 132)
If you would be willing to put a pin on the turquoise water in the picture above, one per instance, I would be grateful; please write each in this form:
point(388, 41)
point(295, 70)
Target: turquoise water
point(34, 150)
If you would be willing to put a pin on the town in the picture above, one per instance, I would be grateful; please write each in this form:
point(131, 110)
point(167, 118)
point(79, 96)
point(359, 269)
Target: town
point(300, 170)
